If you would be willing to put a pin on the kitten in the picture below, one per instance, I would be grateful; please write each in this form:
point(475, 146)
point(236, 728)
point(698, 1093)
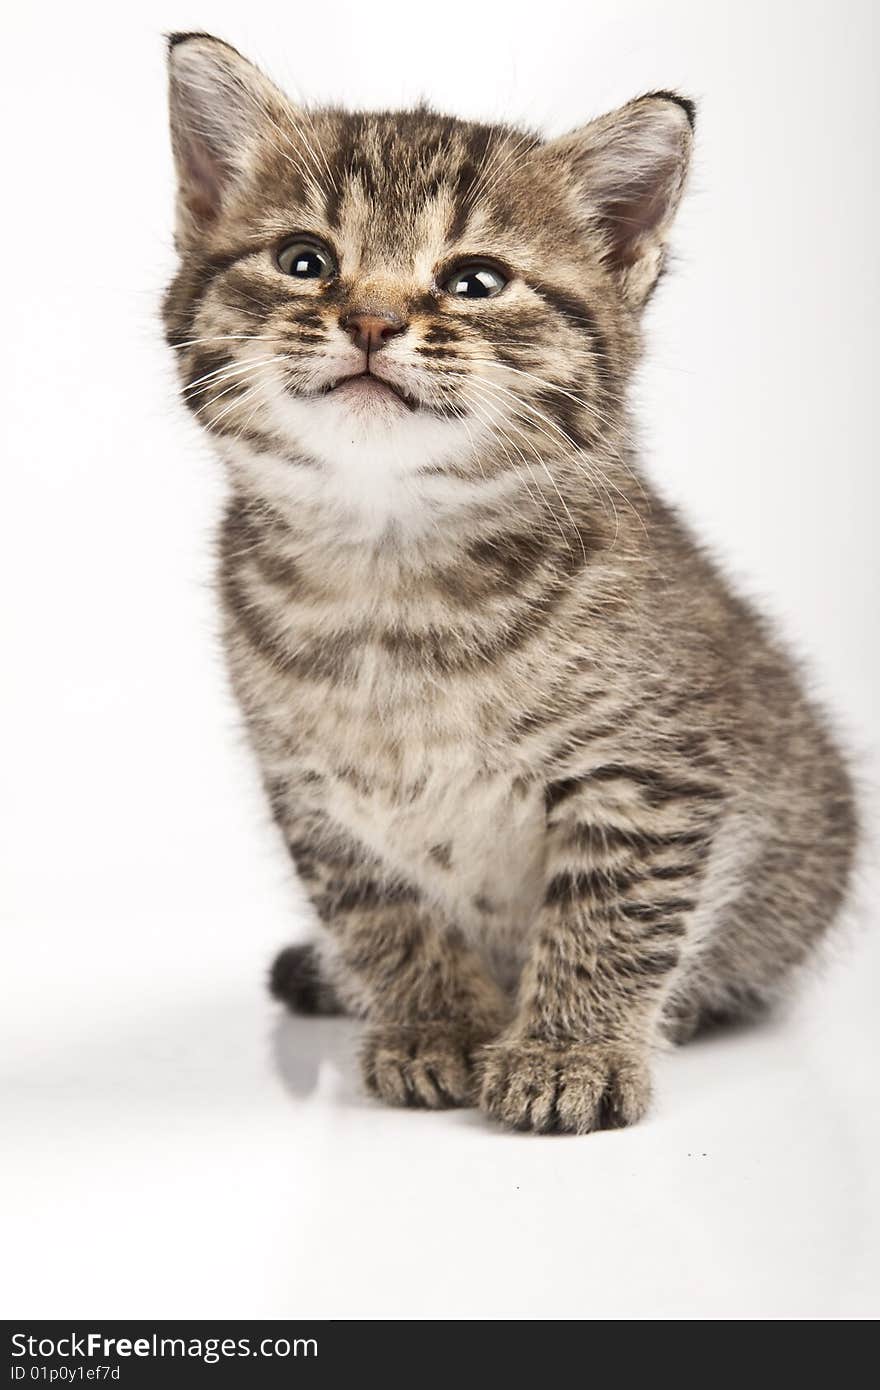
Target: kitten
point(555, 792)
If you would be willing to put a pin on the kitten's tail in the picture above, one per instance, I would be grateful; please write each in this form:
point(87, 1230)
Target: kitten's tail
point(296, 980)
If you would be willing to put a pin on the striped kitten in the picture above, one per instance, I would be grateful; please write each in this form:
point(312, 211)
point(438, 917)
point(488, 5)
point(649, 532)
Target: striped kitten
point(554, 790)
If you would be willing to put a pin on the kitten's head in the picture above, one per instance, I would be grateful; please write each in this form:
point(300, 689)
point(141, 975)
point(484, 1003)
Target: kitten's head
point(371, 298)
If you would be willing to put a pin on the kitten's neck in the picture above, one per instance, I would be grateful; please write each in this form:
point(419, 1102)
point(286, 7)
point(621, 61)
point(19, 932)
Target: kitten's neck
point(417, 517)
point(472, 560)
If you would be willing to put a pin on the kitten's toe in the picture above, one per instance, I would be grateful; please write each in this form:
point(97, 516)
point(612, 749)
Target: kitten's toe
point(547, 1088)
point(430, 1066)
point(296, 979)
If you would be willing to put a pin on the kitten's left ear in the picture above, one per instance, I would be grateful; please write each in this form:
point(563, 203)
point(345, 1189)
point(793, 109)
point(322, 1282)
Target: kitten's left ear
point(629, 170)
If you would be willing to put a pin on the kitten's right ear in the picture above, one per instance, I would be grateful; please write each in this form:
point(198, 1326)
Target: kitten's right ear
point(219, 106)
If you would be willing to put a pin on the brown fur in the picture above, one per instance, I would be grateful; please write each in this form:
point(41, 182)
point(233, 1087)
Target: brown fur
point(554, 790)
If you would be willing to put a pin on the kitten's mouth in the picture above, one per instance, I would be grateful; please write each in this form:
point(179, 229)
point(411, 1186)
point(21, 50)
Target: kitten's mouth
point(367, 389)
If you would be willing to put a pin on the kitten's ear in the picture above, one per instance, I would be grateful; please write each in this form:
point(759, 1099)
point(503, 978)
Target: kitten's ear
point(219, 106)
point(629, 169)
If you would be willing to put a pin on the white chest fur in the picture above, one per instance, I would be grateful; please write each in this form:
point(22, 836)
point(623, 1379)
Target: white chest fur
point(470, 839)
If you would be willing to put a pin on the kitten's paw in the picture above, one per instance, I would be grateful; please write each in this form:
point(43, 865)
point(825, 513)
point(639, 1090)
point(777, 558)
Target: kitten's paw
point(550, 1089)
point(429, 1065)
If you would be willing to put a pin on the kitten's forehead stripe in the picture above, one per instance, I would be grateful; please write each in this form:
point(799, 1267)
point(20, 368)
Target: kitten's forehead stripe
point(402, 164)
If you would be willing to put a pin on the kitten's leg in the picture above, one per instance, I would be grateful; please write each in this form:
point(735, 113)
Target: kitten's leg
point(606, 951)
point(428, 1002)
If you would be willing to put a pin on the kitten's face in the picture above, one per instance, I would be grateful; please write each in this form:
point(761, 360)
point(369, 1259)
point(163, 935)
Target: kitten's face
point(381, 297)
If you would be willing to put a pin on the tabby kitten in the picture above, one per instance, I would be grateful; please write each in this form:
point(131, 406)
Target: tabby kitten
point(556, 793)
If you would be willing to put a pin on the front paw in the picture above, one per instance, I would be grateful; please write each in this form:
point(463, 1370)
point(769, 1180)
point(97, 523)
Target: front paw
point(572, 1089)
point(430, 1065)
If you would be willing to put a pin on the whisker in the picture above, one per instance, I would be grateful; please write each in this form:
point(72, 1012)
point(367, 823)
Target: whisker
point(211, 421)
point(231, 369)
point(495, 166)
point(224, 338)
point(572, 451)
point(502, 443)
point(584, 404)
point(553, 386)
point(509, 164)
point(550, 478)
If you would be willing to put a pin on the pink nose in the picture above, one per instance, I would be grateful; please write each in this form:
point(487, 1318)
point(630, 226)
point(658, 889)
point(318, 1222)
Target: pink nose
point(370, 332)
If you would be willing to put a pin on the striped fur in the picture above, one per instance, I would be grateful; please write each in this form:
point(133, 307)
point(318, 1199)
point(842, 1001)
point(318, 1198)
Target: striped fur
point(554, 790)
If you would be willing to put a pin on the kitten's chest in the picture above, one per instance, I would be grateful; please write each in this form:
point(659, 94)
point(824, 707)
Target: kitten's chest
point(467, 831)
point(395, 721)
point(471, 838)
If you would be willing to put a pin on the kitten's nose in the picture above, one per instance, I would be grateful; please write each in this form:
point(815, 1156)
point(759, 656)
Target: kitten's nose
point(369, 332)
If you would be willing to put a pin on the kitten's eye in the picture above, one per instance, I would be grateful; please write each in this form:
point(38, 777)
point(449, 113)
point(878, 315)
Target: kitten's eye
point(475, 282)
point(307, 260)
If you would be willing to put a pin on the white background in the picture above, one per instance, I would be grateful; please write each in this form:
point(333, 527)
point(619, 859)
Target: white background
point(173, 1147)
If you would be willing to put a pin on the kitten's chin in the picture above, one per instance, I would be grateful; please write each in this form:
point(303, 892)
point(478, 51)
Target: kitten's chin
point(363, 428)
point(359, 446)
point(369, 399)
